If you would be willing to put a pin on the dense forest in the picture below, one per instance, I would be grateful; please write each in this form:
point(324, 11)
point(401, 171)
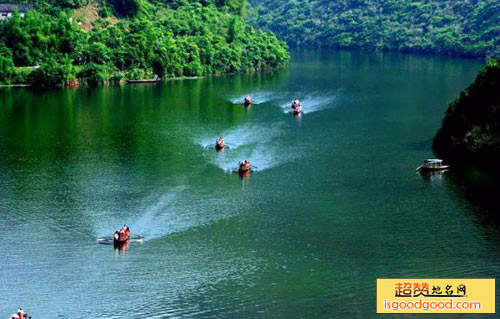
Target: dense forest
point(454, 27)
point(97, 41)
point(470, 134)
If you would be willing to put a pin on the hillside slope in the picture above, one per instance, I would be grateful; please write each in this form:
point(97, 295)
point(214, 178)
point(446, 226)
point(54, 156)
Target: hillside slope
point(109, 40)
point(470, 133)
point(454, 27)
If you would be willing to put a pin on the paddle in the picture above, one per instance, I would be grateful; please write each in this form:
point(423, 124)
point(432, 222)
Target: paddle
point(137, 236)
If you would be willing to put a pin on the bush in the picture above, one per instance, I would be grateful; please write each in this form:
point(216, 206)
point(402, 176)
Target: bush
point(93, 74)
point(135, 74)
point(7, 68)
point(49, 75)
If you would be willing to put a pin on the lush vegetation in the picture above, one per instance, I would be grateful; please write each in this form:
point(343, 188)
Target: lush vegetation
point(470, 133)
point(455, 27)
point(109, 40)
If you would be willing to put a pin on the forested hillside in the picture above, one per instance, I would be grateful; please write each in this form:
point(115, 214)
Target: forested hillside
point(454, 27)
point(470, 133)
point(108, 40)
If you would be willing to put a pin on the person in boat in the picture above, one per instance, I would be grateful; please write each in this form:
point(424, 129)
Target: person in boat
point(220, 142)
point(297, 110)
point(295, 104)
point(248, 100)
point(245, 165)
point(125, 231)
point(20, 314)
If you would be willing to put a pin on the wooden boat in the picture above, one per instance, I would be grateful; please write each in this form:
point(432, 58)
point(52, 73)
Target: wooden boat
point(432, 165)
point(144, 81)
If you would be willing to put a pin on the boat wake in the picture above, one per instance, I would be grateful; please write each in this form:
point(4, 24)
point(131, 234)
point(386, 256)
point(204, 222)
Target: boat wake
point(253, 142)
point(312, 103)
point(258, 97)
point(180, 210)
point(248, 134)
point(156, 214)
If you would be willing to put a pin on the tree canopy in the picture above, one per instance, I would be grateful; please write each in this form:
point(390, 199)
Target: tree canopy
point(100, 41)
point(470, 133)
point(453, 27)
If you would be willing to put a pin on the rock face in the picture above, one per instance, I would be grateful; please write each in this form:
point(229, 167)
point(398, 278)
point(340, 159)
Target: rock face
point(470, 133)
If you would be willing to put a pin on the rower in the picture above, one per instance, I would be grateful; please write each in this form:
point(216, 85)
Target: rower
point(248, 100)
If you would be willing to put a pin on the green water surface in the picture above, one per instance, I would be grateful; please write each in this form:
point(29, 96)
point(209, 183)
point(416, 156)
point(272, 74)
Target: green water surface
point(333, 204)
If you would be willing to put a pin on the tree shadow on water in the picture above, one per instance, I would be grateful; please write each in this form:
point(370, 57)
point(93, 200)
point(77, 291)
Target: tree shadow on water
point(481, 189)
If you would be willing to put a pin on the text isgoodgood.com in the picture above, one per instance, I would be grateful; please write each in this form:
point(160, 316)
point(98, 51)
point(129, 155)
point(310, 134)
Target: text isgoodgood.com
point(424, 305)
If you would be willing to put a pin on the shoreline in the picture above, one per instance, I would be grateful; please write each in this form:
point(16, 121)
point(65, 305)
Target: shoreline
point(14, 85)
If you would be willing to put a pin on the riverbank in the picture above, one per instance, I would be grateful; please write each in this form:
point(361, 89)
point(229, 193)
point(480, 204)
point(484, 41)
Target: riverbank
point(117, 78)
point(13, 85)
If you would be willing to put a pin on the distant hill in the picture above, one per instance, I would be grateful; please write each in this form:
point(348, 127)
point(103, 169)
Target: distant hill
point(96, 41)
point(454, 27)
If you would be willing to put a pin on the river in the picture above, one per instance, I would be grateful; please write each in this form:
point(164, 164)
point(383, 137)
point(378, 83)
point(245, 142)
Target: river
point(333, 203)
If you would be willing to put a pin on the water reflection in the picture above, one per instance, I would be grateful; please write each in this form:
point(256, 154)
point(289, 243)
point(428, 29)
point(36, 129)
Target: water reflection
point(435, 177)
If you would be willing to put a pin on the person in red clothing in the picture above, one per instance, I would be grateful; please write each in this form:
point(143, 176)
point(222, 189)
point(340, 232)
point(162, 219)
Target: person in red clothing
point(21, 314)
point(126, 232)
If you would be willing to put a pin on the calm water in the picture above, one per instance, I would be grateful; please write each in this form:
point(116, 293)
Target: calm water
point(334, 202)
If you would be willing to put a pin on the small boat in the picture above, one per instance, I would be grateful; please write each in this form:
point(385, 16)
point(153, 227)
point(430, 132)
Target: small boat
point(155, 80)
point(244, 167)
point(20, 314)
point(432, 164)
point(248, 101)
